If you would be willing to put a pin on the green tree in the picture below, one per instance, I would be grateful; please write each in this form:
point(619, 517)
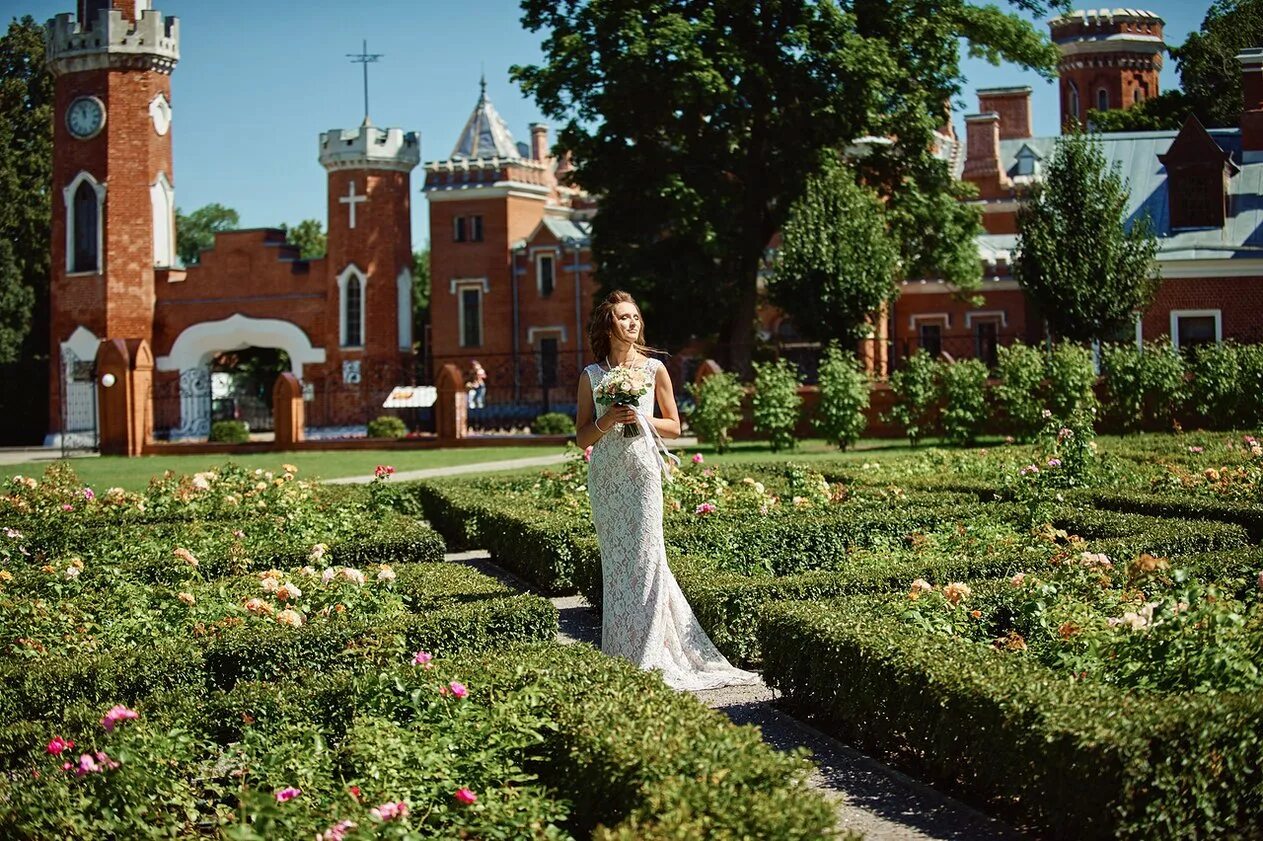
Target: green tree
point(420, 291)
point(196, 232)
point(837, 261)
point(26, 164)
point(1077, 257)
point(697, 126)
point(776, 406)
point(916, 391)
point(309, 236)
point(716, 408)
point(845, 392)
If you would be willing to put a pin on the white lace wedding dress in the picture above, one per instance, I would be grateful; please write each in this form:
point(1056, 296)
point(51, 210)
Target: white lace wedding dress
point(644, 615)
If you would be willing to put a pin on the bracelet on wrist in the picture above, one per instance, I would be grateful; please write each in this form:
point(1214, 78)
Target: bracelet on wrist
point(597, 423)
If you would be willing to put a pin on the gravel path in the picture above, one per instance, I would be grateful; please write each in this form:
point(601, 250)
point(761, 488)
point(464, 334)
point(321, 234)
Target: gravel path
point(869, 797)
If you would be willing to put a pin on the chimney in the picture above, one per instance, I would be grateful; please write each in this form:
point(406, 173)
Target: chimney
point(539, 142)
point(982, 152)
point(1014, 107)
point(1251, 105)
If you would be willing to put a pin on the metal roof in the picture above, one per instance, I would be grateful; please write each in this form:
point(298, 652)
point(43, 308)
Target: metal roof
point(486, 135)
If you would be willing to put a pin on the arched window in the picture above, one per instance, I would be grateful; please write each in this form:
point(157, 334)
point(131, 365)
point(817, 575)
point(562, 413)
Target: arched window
point(351, 286)
point(162, 198)
point(85, 228)
point(1102, 100)
point(1072, 97)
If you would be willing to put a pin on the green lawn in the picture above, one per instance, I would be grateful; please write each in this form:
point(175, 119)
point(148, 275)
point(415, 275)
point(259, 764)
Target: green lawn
point(133, 473)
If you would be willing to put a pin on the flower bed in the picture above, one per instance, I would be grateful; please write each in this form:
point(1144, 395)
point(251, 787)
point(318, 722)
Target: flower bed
point(319, 671)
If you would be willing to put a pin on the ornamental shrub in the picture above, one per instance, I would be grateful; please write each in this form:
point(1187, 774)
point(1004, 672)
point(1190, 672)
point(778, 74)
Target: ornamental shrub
point(553, 423)
point(1071, 378)
point(845, 390)
point(387, 426)
point(777, 403)
point(230, 432)
point(915, 386)
point(1145, 388)
point(717, 408)
point(964, 390)
point(1227, 382)
point(1250, 376)
point(1020, 370)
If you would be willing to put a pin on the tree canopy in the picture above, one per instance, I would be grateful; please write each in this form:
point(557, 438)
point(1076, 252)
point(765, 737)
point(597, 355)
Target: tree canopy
point(1210, 75)
point(196, 232)
point(697, 126)
point(836, 264)
point(26, 165)
point(1085, 264)
point(309, 236)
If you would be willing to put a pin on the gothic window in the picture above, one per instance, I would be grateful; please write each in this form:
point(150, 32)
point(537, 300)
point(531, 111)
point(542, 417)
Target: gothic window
point(84, 200)
point(1102, 100)
point(352, 284)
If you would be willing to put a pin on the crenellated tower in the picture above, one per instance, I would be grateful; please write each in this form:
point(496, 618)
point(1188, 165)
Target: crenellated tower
point(370, 242)
point(113, 205)
point(1110, 59)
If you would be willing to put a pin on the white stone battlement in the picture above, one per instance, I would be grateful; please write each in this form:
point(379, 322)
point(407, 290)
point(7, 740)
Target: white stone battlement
point(1106, 17)
point(152, 42)
point(369, 147)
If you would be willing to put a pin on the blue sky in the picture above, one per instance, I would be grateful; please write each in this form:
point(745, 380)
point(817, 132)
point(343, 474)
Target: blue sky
point(258, 81)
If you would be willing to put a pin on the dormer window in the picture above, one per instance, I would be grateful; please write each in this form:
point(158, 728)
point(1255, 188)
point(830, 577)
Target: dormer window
point(1027, 162)
point(1198, 172)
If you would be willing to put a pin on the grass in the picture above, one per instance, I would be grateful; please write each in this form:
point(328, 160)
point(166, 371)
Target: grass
point(134, 473)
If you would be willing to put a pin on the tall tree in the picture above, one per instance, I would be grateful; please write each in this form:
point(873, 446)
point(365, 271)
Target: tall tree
point(697, 126)
point(1210, 75)
point(837, 260)
point(196, 232)
point(26, 166)
point(420, 291)
point(1087, 266)
point(309, 236)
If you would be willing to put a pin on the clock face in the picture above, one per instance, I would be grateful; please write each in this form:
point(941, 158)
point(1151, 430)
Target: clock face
point(85, 117)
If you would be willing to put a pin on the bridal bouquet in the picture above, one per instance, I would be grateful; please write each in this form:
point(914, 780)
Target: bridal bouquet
point(623, 386)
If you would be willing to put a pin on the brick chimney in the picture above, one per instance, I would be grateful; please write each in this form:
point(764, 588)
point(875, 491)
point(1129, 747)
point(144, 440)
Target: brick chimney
point(1014, 107)
point(1251, 105)
point(982, 154)
point(539, 142)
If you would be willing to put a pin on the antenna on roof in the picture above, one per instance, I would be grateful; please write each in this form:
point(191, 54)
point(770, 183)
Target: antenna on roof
point(365, 58)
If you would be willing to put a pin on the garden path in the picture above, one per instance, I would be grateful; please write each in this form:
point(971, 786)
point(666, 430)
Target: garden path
point(457, 470)
point(869, 797)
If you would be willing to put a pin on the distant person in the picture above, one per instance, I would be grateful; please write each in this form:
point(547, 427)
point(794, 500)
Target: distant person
point(646, 618)
point(477, 385)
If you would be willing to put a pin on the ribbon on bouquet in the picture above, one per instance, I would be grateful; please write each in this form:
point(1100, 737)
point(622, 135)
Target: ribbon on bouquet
point(659, 446)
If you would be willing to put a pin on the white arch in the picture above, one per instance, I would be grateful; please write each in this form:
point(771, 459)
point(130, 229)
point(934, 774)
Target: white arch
point(68, 196)
point(162, 198)
point(195, 345)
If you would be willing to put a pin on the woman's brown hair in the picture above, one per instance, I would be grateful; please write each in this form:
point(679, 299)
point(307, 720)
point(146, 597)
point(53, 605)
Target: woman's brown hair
point(602, 324)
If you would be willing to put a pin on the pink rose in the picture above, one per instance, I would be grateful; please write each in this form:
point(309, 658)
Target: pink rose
point(697, 458)
point(287, 794)
point(67, 507)
point(337, 832)
point(58, 744)
point(89, 494)
point(117, 713)
point(383, 471)
point(458, 689)
point(465, 796)
point(704, 508)
point(422, 659)
point(389, 811)
point(587, 453)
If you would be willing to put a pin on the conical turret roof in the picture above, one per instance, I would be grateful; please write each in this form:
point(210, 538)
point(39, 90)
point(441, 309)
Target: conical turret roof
point(485, 134)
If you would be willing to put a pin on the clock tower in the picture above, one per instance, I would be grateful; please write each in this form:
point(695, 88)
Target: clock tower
point(113, 184)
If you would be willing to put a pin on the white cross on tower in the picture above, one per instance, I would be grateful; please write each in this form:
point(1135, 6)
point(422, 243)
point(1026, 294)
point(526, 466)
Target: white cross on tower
point(351, 200)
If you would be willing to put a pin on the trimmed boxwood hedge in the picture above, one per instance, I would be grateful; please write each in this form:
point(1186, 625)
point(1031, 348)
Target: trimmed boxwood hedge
point(1074, 760)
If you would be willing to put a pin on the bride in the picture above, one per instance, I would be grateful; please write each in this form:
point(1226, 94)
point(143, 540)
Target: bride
point(645, 618)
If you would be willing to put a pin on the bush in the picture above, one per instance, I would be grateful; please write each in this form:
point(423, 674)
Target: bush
point(777, 403)
point(1071, 379)
point(1145, 388)
point(964, 389)
point(718, 408)
point(845, 390)
point(915, 387)
point(1020, 370)
point(1227, 382)
point(230, 432)
point(387, 426)
point(553, 423)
